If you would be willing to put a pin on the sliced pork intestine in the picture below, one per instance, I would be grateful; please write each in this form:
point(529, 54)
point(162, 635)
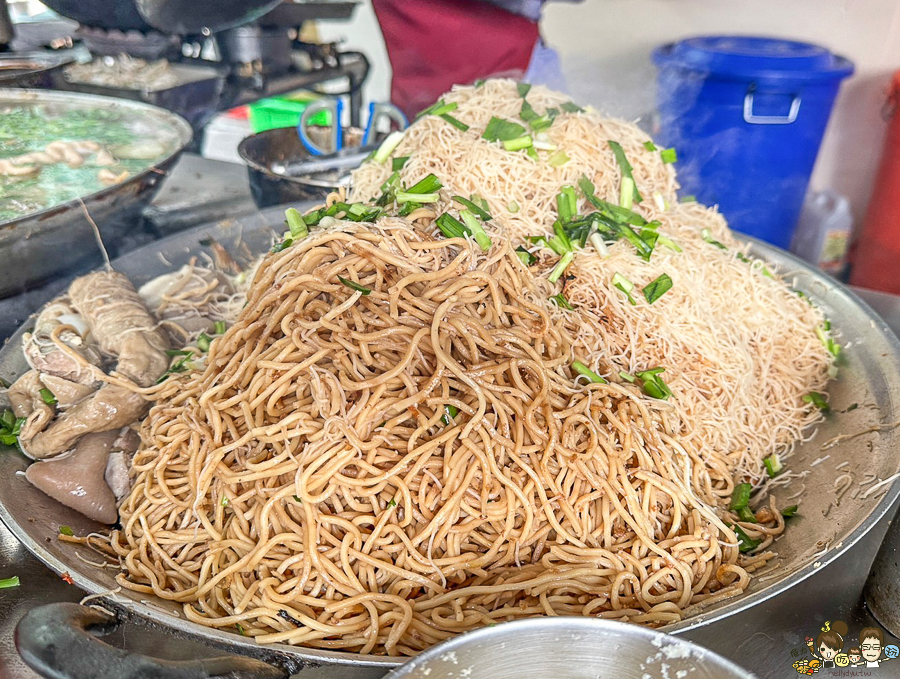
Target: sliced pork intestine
point(42, 350)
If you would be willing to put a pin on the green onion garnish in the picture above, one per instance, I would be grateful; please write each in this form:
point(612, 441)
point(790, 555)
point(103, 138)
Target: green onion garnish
point(626, 193)
point(220, 327)
point(295, 223)
point(451, 227)
point(297, 499)
point(428, 184)
point(773, 465)
point(526, 257)
point(6, 583)
point(657, 288)
point(178, 352)
point(499, 129)
point(286, 243)
point(561, 301)
point(355, 286)
point(571, 107)
point(391, 142)
point(477, 230)
point(822, 332)
point(818, 400)
point(707, 236)
point(437, 108)
point(66, 530)
point(668, 155)
point(561, 266)
point(479, 211)
point(627, 376)
point(583, 370)
point(47, 396)
point(407, 197)
point(740, 496)
point(624, 166)
point(225, 502)
point(203, 342)
point(392, 503)
point(449, 413)
point(649, 145)
point(458, 124)
point(653, 385)
point(566, 204)
point(523, 89)
point(558, 158)
point(788, 512)
point(619, 281)
point(745, 542)
point(513, 206)
point(398, 163)
point(519, 143)
point(668, 242)
point(240, 629)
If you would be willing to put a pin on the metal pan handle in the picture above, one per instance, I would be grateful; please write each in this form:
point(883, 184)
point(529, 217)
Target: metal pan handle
point(58, 641)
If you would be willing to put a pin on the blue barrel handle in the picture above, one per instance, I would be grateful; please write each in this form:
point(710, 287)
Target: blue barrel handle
point(750, 117)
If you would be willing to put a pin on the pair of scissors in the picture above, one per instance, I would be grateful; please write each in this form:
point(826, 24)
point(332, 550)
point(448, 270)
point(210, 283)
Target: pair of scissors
point(377, 111)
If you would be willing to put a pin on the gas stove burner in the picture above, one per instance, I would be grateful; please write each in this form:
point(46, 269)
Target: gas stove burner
point(142, 44)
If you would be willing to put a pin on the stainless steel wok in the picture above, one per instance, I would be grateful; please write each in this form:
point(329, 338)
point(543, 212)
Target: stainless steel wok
point(823, 532)
point(39, 245)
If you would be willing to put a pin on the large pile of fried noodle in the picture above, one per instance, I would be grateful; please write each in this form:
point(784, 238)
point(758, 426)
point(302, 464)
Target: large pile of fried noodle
point(378, 466)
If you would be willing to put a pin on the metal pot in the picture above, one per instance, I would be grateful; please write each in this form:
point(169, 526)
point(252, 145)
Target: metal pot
point(568, 648)
point(41, 244)
point(282, 145)
point(813, 543)
point(32, 69)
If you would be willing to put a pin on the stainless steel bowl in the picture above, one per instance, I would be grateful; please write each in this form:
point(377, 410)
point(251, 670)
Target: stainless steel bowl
point(567, 648)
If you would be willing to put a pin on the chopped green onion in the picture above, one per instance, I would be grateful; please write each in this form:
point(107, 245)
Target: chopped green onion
point(653, 385)
point(392, 503)
point(513, 206)
point(532, 153)
point(627, 376)
point(391, 142)
point(707, 236)
point(519, 143)
point(47, 396)
point(561, 266)
point(6, 583)
point(240, 629)
point(765, 272)
point(526, 257)
point(523, 89)
point(619, 281)
point(818, 400)
point(566, 204)
point(822, 332)
point(597, 241)
point(852, 407)
point(660, 201)
point(561, 301)
point(451, 227)
point(773, 465)
point(571, 107)
point(66, 530)
point(178, 366)
point(626, 193)
point(584, 371)
point(644, 248)
point(398, 163)
point(689, 199)
point(428, 184)
point(740, 496)
point(479, 211)
point(747, 515)
point(745, 542)
point(220, 327)
point(406, 197)
point(203, 342)
point(476, 229)
point(499, 129)
point(297, 499)
point(540, 123)
point(744, 258)
point(558, 158)
point(649, 145)
point(355, 286)
point(458, 124)
point(479, 82)
point(438, 108)
point(225, 501)
point(788, 512)
point(668, 242)
point(450, 412)
point(295, 223)
point(286, 243)
point(657, 288)
point(668, 155)
point(624, 166)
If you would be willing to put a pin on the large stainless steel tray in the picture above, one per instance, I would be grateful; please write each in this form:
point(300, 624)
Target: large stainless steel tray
point(824, 531)
point(40, 244)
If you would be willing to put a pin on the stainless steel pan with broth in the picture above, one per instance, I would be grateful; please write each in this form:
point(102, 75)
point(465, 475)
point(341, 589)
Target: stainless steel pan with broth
point(824, 530)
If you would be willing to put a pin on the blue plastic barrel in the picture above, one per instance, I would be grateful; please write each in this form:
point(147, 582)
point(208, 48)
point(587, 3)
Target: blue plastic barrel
point(746, 116)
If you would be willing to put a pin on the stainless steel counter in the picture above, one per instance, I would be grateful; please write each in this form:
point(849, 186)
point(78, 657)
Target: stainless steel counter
point(764, 639)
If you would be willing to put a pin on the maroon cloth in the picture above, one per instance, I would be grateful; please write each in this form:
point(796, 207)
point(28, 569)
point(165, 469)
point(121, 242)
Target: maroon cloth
point(434, 44)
